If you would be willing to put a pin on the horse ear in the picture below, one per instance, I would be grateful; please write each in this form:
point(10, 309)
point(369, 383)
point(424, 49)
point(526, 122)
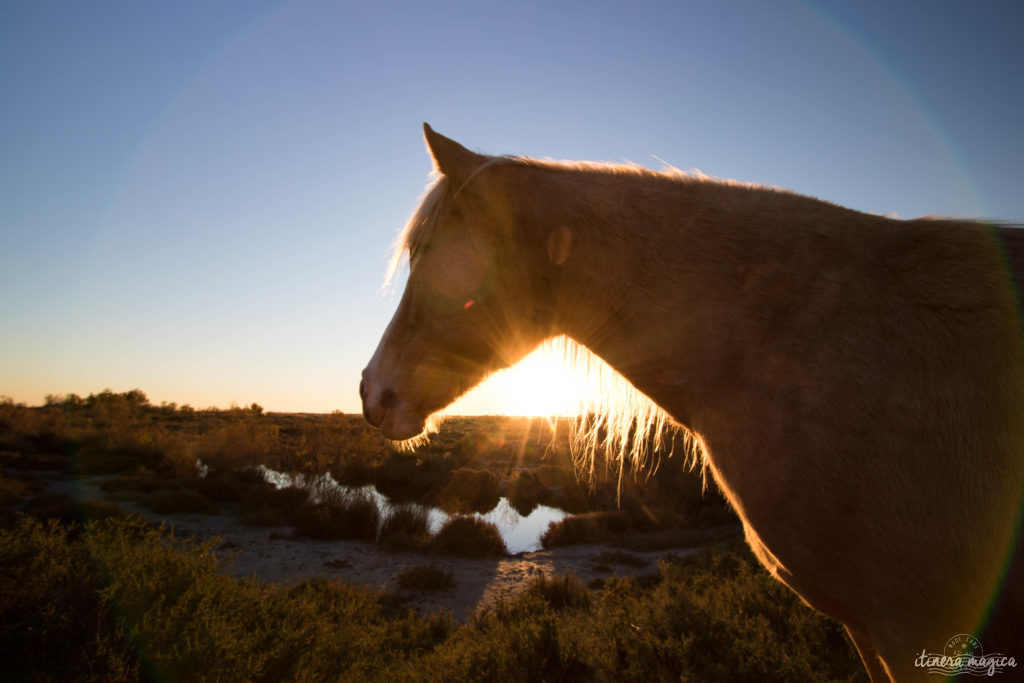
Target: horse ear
point(451, 158)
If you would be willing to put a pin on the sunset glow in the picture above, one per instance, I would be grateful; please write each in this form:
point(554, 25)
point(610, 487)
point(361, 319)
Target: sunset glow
point(539, 385)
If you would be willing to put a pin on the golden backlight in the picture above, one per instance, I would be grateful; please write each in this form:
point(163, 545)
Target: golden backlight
point(542, 384)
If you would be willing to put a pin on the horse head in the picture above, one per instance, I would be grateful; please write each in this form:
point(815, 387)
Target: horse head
point(476, 299)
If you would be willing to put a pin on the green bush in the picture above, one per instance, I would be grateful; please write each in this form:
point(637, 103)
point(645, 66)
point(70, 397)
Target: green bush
point(469, 537)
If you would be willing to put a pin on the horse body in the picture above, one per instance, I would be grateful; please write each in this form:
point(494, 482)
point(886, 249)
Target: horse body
point(857, 382)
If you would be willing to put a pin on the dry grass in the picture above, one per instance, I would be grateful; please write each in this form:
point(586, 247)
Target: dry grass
point(405, 527)
point(356, 517)
point(469, 537)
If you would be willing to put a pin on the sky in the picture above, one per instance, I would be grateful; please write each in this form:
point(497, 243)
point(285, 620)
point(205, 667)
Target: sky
point(197, 199)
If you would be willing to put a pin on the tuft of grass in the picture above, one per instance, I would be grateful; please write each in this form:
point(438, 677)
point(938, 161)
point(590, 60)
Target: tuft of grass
point(469, 537)
point(591, 527)
point(405, 527)
point(356, 517)
point(561, 592)
point(425, 578)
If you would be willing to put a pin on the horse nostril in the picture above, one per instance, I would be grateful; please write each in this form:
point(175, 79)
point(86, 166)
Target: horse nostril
point(362, 389)
point(387, 399)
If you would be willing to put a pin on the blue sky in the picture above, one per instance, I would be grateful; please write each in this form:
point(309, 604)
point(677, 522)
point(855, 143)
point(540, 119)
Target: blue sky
point(197, 198)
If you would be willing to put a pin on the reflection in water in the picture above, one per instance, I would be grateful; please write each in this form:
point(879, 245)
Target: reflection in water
point(521, 533)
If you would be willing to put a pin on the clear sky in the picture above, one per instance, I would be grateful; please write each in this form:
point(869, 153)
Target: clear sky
point(197, 198)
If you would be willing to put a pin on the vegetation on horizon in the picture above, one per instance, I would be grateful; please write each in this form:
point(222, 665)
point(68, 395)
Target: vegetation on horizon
point(89, 591)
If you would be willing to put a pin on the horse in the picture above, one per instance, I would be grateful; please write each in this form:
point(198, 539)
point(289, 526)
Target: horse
point(855, 382)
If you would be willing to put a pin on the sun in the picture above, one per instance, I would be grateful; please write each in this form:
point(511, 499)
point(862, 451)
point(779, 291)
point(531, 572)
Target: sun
point(541, 384)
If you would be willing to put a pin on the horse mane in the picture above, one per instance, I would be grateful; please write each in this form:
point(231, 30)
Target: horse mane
point(615, 418)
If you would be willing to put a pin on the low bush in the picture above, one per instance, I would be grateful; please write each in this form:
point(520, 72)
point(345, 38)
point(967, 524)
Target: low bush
point(524, 492)
point(469, 537)
point(561, 592)
point(405, 527)
point(408, 478)
point(357, 518)
point(425, 578)
point(591, 527)
point(597, 527)
point(470, 490)
point(119, 600)
point(219, 488)
point(716, 616)
point(264, 505)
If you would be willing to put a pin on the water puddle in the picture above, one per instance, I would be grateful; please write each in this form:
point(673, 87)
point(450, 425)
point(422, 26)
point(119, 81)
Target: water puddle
point(521, 532)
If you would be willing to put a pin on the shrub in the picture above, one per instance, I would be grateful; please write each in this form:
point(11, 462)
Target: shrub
point(425, 578)
point(403, 477)
point(355, 518)
point(470, 490)
point(554, 477)
point(592, 527)
point(94, 602)
point(264, 505)
point(469, 537)
point(405, 527)
point(219, 488)
point(57, 625)
point(561, 592)
point(524, 493)
point(716, 616)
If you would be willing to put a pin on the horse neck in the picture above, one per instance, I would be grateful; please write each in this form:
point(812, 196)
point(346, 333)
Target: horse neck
point(671, 281)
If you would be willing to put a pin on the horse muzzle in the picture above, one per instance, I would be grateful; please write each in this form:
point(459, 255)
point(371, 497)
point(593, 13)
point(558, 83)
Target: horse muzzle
point(384, 410)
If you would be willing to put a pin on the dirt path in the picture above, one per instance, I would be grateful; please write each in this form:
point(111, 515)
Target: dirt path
point(273, 554)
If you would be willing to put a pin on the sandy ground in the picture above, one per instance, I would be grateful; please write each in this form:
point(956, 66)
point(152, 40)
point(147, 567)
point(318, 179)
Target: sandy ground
point(272, 554)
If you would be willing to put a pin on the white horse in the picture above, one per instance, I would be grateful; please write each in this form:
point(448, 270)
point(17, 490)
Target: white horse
point(856, 382)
